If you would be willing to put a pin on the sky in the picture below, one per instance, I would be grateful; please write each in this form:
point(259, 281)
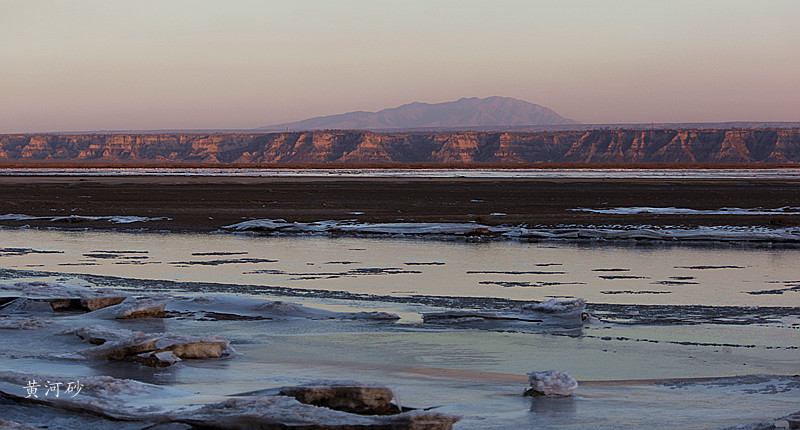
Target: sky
point(83, 65)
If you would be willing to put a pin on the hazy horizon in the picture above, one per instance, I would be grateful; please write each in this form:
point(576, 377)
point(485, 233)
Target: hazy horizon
point(113, 65)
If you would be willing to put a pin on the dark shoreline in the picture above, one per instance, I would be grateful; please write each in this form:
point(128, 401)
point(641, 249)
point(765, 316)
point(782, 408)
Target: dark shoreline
point(204, 204)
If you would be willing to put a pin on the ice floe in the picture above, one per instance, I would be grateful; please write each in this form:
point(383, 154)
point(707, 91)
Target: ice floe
point(237, 307)
point(29, 295)
point(119, 399)
point(352, 227)
point(346, 396)
point(164, 407)
point(554, 306)
point(471, 229)
point(119, 344)
point(142, 308)
point(550, 312)
point(664, 233)
point(635, 210)
point(286, 412)
point(115, 219)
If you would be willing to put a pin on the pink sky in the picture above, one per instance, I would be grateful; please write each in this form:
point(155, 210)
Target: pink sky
point(94, 65)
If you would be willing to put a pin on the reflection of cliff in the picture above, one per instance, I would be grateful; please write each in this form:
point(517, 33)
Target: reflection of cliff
point(596, 146)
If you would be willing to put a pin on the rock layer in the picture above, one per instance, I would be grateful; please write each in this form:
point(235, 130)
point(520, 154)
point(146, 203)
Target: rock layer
point(362, 147)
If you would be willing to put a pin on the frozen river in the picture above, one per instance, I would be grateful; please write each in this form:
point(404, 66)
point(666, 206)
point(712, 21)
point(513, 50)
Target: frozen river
point(661, 312)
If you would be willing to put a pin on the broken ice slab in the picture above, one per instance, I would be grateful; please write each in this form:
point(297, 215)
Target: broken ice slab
point(60, 297)
point(133, 401)
point(142, 308)
point(247, 307)
point(279, 412)
point(119, 344)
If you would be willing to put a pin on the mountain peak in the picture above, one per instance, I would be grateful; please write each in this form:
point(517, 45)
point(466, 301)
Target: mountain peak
point(467, 112)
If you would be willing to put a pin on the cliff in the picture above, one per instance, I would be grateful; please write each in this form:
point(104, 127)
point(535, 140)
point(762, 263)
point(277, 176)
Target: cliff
point(746, 146)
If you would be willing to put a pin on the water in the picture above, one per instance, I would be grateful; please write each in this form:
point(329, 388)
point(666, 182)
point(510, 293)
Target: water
point(646, 274)
point(664, 312)
point(787, 173)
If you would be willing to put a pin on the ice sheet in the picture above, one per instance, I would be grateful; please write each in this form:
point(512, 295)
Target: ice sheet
point(615, 233)
point(116, 219)
point(633, 210)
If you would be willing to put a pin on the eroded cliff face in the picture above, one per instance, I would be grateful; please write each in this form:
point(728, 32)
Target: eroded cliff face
point(338, 147)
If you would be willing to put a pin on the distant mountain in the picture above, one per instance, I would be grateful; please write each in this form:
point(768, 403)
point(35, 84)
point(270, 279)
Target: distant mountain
point(491, 112)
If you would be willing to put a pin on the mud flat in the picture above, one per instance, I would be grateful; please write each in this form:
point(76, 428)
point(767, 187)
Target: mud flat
point(202, 204)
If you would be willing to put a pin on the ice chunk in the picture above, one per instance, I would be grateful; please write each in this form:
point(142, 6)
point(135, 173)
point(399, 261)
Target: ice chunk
point(49, 289)
point(283, 412)
point(121, 399)
point(554, 306)
point(551, 382)
point(120, 344)
point(142, 308)
point(350, 397)
point(634, 210)
point(266, 309)
point(63, 297)
point(157, 359)
point(793, 420)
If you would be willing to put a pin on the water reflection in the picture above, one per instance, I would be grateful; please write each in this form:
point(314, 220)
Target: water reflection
point(550, 405)
point(653, 274)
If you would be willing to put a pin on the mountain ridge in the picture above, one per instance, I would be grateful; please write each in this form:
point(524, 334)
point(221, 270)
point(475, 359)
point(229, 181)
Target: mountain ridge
point(466, 112)
point(621, 146)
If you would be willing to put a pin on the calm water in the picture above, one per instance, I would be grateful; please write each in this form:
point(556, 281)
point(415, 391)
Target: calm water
point(637, 274)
